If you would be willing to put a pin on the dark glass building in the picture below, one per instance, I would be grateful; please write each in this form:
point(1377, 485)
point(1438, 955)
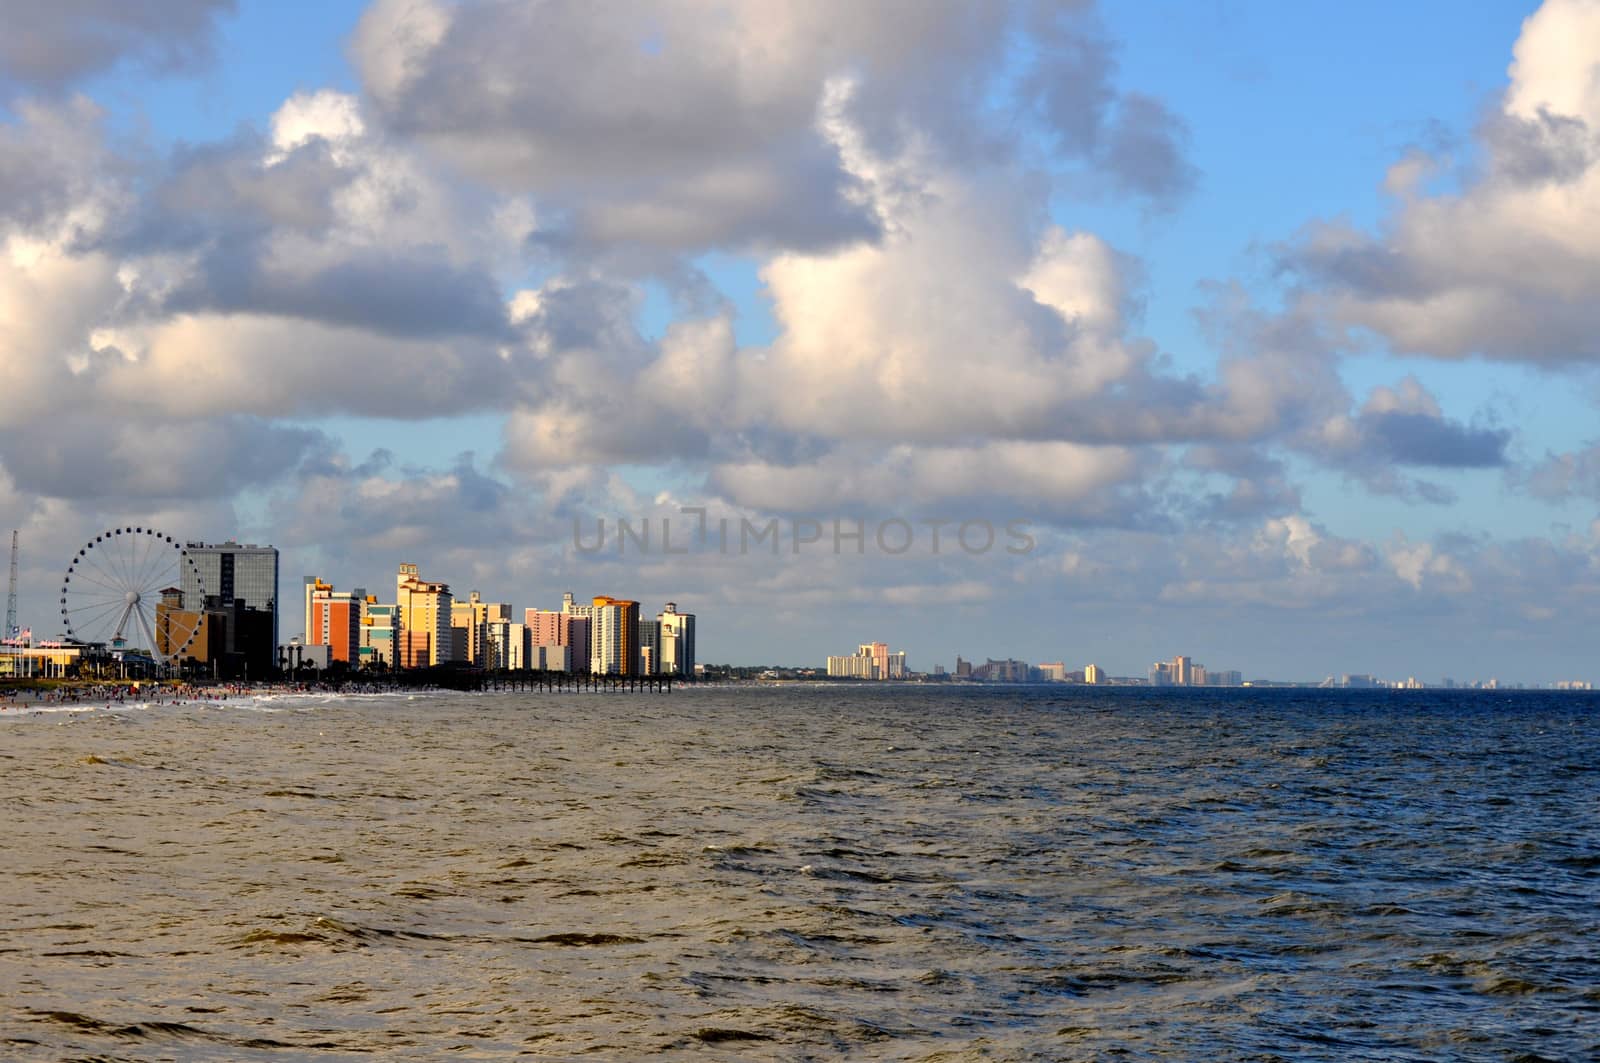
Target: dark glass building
point(241, 573)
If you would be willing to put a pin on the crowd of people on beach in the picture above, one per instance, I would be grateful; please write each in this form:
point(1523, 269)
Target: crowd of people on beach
point(117, 695)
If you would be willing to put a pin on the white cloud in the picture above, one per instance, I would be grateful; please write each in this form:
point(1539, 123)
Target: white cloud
point(1557, 65)
point(690, 123)
point(1061, 478)
point(334, 117)
point(1505, 267)
point(1417, 563)
point(52, 45)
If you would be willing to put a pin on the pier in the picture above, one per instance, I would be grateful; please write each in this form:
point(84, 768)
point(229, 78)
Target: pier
point(557, 682)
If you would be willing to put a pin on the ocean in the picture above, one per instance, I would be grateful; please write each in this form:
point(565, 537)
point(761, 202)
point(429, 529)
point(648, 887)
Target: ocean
point(797, 873)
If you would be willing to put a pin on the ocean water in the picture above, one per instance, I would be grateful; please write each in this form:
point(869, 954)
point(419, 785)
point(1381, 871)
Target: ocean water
point(909, 873)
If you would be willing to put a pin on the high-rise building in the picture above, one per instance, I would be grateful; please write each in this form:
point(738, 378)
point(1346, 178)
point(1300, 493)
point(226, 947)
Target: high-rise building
point(1093, 674)
point(879, 652)
point(872, 660)
point(231, 640)
point(424, 614)
point(854, 666)
point(1009, 670)
point(677, 641)
point(313, 585)
point(506, 645)
point(472, 617)
point(1053, 671)
point(335, 621)
point(560, 629)
point(234, 572)
point(379, 625)
point(649, 646)
point(614, 637)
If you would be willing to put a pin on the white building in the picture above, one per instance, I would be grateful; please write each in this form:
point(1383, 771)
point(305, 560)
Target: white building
point(872, 660)
point(853, 666)
point(677, 641)
point(505, 645)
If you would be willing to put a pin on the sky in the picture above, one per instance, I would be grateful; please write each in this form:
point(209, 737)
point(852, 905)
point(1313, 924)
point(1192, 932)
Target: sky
point(1261, 333)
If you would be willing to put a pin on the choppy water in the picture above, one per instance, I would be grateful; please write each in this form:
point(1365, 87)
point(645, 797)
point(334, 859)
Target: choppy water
point(806, 874)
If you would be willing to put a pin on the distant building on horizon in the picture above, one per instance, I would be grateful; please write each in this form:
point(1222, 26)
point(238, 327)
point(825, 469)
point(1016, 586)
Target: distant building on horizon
point(872, 660)
point(1009, 670)
point(1182, 671)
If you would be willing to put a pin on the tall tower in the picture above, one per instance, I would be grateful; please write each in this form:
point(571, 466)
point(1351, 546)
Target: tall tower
point(10, 631)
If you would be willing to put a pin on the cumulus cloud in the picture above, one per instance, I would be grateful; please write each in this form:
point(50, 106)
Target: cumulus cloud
point(1399, 428)
point(56, 169)
point(1506, 266)
point(970, 352)
point(322, 222)
point(690, 124)
point(1562, 477)
point(89, 456)
point(51, 45)
point(1420, 439)
point(317, 269)
point(1066, 480)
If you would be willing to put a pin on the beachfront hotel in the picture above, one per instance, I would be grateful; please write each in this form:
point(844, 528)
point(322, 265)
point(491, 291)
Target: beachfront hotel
point(872, 660)
point(614, 639)
point(233, 572)
point(424, 613)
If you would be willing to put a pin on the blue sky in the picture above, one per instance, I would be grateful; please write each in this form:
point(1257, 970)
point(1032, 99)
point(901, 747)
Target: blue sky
point(1271, 319)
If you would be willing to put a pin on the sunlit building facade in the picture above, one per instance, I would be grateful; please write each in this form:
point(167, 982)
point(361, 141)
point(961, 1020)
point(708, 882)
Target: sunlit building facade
point(423, 608)
point(677, 641)
point(614, 637)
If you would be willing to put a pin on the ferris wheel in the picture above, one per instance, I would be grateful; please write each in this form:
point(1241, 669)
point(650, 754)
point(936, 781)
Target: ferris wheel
point(125, 588)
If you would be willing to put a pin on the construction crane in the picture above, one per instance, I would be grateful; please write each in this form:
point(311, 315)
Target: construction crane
point(11, 595)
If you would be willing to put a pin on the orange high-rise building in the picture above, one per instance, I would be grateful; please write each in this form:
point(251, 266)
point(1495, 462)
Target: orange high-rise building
point(336, 624)
point(614, 637)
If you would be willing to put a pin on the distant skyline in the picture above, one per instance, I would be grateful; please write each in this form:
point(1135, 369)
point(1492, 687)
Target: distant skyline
point(1273, 326)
